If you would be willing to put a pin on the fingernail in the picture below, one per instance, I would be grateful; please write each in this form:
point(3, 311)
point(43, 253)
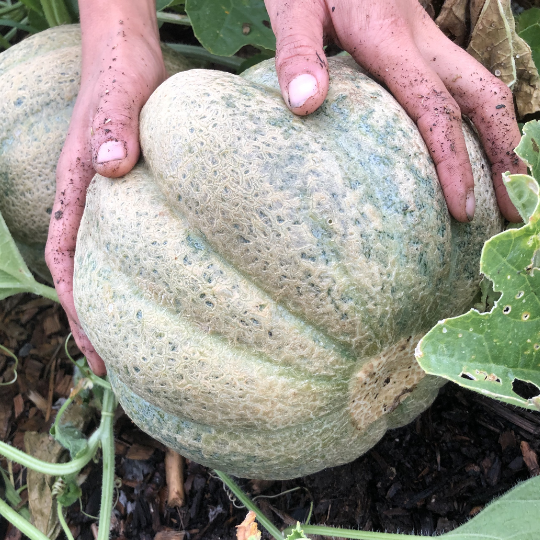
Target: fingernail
point(301, 89)
point(470, 205)
point(111, 151)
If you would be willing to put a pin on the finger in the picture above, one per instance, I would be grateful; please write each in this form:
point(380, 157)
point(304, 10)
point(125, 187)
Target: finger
point(74, 173)
point(115, 129)
point(300, 60)
point(489, 104)
point(423, 95)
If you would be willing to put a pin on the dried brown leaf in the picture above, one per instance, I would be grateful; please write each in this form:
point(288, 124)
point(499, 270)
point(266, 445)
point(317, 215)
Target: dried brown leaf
point(475, 8)
point(491, 42)
point(452, 20)
point(40, 499)
point(530, 458)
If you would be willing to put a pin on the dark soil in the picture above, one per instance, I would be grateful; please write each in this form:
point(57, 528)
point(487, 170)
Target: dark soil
point(430, 476)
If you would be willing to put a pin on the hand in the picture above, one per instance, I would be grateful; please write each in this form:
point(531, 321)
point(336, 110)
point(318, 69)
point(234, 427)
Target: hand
point(433, 79)
point(121, 66)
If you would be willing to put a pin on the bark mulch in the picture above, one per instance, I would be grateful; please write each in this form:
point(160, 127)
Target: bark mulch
point(428, 477)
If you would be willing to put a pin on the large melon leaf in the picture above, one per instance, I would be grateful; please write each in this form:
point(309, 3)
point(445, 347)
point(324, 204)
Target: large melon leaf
point(498, 353)
point(223, 27)
point(14, 274)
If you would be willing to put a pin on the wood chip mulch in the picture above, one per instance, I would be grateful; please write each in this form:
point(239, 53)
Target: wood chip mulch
point(427, 477)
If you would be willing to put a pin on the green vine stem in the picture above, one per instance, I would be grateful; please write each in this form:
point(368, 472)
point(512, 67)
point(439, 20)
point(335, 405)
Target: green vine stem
point(308, 529)
point(62, 520)
point(54, 469)
point(350, 533)
point(173, 18)
point(20, 523)
point(107, 449)
point(250, 505)
point(45, 290)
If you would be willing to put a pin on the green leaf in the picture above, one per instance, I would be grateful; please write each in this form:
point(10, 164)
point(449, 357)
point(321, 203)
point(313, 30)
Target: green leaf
point(14, 274)
point(528, 18)
point(70, 438)
point(498, 353)
point(34, 5)
point(513, 516)
point(296, 534)
point(224, 26)
point(523, 191)
point(532, 36)
point(529, 147)
point(71, 492)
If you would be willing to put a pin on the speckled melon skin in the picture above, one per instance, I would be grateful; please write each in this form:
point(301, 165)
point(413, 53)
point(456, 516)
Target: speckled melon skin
point(257, 288)
point(39, 83)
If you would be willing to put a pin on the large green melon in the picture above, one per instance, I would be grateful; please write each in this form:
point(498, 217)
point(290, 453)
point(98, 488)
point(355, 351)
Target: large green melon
point(39, 82)
point(258, 287)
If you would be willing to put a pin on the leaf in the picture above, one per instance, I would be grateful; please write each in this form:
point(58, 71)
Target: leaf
point(452, 20)
point(14, 274)
point(223, 27)
point(523, 191)
point(40, 497)
point(34, 5)
point(498, 353)
point(527, 18)
point(491, 42)
point(71, 438)
point(532, 36)
point(511, 517)
point(71, 492)
point(297, 534)
point(528, 148)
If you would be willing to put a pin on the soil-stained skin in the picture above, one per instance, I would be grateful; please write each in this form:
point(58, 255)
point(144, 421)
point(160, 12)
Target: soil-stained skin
point(122, 65)
point(433, 79)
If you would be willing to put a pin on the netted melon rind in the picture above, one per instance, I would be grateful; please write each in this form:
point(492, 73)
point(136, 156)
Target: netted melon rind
point(240, 285)
point(271, 455)
point(39, 83)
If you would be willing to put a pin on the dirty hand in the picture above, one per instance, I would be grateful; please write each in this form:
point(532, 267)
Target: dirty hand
point(434, 80)
point(121, 66)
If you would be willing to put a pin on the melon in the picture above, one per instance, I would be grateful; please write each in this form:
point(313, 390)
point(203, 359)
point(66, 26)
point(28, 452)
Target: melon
point(257, 286)
point(39, 83)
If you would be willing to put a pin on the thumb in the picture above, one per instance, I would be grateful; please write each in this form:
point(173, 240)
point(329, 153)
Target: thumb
point(115, 132)
point(300, 60)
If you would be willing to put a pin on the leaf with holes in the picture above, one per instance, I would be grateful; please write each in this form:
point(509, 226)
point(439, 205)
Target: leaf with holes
point(225, 26)
point(498, 353)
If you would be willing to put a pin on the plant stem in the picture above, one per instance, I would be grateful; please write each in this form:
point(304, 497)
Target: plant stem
point(62, 520)
point(20, 523)
point(250, 505)
point(200, 53)
point(173, 18)
point(53, 469)
point(357, 535)
point(45, 290)
point(9, 9)
point(107, 449)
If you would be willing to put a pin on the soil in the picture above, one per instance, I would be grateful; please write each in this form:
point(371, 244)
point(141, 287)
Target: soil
point(428, 477)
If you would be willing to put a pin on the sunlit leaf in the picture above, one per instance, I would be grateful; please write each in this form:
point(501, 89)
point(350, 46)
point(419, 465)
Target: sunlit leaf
point(498, 353)
point(223, 27)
